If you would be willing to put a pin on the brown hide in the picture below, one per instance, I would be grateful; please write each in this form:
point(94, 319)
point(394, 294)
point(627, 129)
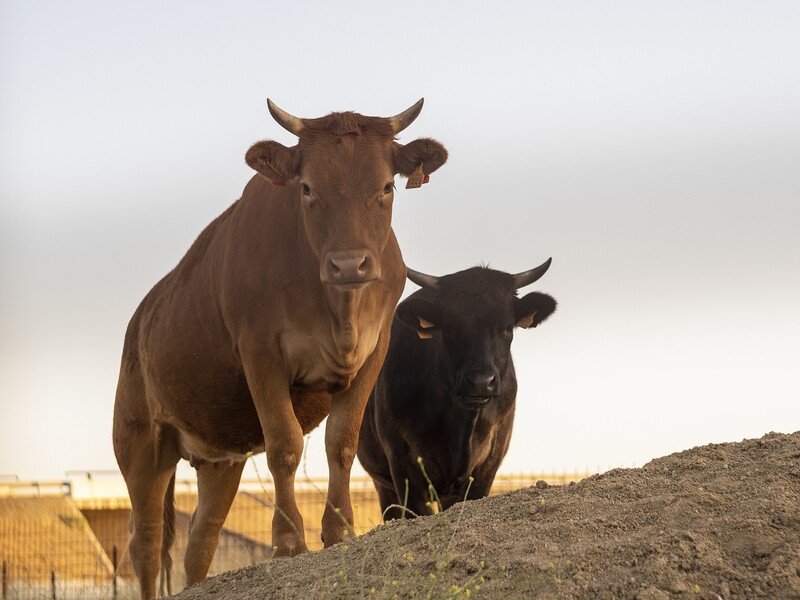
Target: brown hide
point(278, 316)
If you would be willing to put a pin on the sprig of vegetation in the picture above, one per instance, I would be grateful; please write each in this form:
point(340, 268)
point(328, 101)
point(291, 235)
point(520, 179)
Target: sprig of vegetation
point(404, 575)
point(434, 584)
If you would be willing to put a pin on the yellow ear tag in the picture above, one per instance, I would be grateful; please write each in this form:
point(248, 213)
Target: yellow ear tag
point(416, 179)
point(424, 335)
point(526, 321)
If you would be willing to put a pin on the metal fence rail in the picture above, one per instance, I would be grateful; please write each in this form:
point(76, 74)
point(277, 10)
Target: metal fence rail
point(59, 543)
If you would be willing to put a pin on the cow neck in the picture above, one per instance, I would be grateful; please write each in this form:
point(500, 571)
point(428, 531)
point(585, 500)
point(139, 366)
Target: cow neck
point(344, 306)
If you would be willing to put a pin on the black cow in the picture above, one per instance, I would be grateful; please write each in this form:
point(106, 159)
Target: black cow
point(447, 389)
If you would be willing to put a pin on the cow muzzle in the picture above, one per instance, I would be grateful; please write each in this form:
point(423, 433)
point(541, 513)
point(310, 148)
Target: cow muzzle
point(477, 388)
point(351, 269)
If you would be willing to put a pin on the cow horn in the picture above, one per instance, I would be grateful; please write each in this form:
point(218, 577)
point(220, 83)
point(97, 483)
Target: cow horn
point(289, 122)
point(422, 280)
point(406, 118)
point(528, 277)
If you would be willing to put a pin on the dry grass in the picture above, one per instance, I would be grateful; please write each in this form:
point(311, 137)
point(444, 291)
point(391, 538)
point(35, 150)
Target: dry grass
point(40, 535)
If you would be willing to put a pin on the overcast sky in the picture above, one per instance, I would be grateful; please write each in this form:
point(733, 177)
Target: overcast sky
point(651, 148)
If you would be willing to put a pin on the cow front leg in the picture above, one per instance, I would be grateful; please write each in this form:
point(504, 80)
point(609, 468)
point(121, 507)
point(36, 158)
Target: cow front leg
point(341, 443)
point(387, 498)
point(283, 440)
point(411, 489)
point(341, 440)
point(284, 451)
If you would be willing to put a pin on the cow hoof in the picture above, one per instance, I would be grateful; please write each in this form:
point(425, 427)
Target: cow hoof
point(288, 552)
point(287, 547)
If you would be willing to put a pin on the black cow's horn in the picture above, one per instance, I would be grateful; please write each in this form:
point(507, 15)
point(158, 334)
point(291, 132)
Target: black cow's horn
point(289, 122)
point(422, 280)
point(406, 118)
point(528, 277)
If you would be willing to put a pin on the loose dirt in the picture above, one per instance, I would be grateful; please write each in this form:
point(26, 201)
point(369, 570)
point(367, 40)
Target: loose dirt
point(717, 521)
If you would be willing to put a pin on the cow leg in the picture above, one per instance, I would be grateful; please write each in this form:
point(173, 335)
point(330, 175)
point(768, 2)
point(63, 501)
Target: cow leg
point(399, 489)
point(341, 440)
point(418, 498)
point(147, 516)
point(387, 498)
point(217, 484)
point(409, 486)
point(341, 444)
point(147, 464)
point(481, 485)
point(283, 441)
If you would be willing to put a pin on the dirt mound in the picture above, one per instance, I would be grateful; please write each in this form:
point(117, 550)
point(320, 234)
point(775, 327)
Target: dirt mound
point(717, 521)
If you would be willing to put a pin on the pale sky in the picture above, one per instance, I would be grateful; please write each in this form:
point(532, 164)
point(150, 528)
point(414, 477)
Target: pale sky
point(651, 148)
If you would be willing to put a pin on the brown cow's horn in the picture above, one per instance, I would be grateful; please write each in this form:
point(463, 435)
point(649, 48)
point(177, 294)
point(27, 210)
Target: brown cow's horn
point(406, 118)
point(528, 277)
point(289, 122)
point(422, 280)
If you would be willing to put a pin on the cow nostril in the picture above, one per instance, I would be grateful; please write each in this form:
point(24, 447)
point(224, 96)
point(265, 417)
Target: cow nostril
point(349, 267)
point(483, 381)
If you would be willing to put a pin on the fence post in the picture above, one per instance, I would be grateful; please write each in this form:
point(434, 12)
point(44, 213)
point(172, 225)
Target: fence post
point(53, 582)
point(114, 574)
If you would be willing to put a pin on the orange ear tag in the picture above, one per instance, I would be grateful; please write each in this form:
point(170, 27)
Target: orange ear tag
point(424, 323)
point(526, 321)
point(416, 179)
point(424, 335)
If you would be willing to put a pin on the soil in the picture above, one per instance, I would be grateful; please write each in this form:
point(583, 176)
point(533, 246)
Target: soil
point(717, 521)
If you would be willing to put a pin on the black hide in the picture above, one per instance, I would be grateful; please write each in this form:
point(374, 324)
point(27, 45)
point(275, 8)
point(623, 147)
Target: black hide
point(447, 390)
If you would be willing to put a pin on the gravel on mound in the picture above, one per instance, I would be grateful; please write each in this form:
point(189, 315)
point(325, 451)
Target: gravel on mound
point(715, 522)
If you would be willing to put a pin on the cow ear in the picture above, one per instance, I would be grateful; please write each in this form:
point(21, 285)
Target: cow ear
point(533, 308)
point(424, 316)
point(274, 161)
point(424, 152)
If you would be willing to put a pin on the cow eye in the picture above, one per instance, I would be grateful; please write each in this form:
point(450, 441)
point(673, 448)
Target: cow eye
point(309, 199)
point(508, 330)
point(385, 196)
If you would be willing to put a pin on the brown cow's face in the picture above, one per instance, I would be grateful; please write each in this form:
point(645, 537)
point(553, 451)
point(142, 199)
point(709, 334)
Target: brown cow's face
point(345, 192)
point(342, 171)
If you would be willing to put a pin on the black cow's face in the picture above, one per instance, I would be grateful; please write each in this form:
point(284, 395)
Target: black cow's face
point(471, 319)
point(476, 339)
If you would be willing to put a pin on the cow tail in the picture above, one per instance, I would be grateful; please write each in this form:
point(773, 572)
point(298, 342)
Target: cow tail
point(168, 537)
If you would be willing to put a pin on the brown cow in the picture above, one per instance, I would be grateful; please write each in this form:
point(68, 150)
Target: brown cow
point(278, 316)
